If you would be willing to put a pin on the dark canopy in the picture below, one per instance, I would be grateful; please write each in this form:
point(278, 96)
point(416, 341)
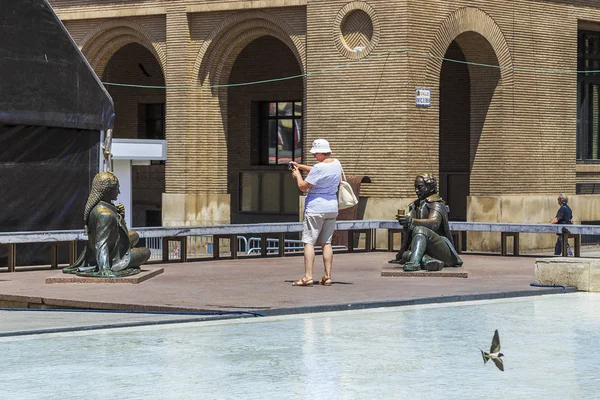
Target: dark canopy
point(53, 108)
point(46, 80)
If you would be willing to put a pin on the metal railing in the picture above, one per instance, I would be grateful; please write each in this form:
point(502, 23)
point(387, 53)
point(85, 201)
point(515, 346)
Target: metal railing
point(197, 247)
point(202, 246)
point(201, 239)
point(290, 246)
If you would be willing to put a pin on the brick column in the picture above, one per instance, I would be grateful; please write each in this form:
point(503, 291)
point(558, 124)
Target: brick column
point(177, 100)
point(190, 199)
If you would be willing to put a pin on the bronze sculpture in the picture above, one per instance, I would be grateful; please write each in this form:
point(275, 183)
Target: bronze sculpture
point(427, 241)
point(109, 251)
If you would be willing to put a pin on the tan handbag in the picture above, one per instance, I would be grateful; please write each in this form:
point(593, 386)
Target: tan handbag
point(345, 194)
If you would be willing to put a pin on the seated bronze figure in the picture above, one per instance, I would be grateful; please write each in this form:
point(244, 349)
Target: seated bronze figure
point(109, 251)
point(428, 241)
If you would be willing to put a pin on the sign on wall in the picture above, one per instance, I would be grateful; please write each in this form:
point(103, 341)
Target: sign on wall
point(422, 97)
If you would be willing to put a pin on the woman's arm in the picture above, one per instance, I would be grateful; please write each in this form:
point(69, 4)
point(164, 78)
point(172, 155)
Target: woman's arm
point(301, 167)
point(302, 184)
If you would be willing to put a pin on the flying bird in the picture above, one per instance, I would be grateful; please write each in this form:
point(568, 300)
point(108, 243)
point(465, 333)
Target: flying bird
point(494, 353)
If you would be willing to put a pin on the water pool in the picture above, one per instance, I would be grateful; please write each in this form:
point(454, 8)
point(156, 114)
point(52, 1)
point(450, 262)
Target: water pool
point(417, 352)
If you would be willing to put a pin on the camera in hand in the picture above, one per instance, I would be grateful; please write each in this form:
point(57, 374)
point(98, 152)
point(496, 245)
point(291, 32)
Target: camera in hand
point(290, 166)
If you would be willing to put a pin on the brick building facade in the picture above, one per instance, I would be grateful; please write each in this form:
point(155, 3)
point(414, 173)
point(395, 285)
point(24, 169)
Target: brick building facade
point(510, 125)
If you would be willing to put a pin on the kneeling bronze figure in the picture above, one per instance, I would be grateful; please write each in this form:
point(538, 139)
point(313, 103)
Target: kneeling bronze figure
point(428, 241)
point(109, 251)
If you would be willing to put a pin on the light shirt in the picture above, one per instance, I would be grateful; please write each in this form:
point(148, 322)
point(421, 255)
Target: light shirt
point(325, 179)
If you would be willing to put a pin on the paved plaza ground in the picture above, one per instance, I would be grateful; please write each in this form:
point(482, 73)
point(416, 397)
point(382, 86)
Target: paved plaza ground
point(260, 285)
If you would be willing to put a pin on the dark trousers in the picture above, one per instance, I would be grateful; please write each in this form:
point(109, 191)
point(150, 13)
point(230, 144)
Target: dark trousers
point(558, 246)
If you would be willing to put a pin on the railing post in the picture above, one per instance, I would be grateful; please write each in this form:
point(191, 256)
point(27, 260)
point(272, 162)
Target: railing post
point(458, 242)
point(263, 244)
point(503, 243)
point(368, 240)
point(72, 252)
point(72, 248)
point(12, 257)
point(183, 249)
point(233, 245)
point(165, 249)
point(54, 254)
point(216, 247)
point(281, 237)
point(565, 242)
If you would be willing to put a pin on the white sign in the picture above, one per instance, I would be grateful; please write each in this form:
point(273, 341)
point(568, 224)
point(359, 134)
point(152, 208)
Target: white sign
point(422, 97)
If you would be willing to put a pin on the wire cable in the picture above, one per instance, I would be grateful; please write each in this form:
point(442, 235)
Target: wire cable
point(351, 63)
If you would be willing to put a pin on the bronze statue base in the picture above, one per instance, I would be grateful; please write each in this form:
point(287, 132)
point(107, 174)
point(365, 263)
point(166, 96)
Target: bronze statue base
point(110, 273)
point(396, 272)
point(428, 263)
point(145, 274)
point(399, 273)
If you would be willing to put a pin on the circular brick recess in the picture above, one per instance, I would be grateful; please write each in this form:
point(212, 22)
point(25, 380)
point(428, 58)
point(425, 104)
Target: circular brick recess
point(356, 30)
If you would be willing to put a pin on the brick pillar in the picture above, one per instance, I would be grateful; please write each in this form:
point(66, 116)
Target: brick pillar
point(177, 104)
point(191, 196)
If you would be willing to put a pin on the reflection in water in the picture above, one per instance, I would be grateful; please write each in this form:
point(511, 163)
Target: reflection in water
point(421, 352)
point(320, 372)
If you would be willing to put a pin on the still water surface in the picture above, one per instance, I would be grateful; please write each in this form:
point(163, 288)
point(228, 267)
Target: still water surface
point(422, 352)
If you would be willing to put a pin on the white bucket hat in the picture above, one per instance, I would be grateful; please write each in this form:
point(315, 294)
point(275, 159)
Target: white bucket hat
point(320, 146)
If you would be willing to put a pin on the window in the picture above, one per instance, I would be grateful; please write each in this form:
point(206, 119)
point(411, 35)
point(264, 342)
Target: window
point(280, 132)
point(277, 131)
point(588, 96)
point(151, 122)
point(268, 192)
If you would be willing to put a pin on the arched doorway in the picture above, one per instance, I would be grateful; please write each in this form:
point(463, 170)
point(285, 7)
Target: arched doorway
point(469, 77)
point(264, 132)
point(224, 160)
point(139, 114)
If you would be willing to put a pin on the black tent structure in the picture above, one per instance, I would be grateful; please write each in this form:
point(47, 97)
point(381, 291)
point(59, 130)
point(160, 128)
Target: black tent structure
point(54, 113)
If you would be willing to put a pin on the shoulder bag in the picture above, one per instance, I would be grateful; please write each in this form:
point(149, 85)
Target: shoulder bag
point(345, 194)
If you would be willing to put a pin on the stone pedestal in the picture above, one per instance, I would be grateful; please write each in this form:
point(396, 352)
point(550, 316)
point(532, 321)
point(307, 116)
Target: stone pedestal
point(145, 274)
point(445, 273)
point(581, 273)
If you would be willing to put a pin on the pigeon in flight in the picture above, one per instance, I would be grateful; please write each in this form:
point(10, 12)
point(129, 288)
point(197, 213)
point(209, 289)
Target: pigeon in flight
point(494, 353)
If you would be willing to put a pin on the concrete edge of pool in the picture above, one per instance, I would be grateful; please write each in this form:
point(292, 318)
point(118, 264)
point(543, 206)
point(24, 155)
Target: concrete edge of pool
point(187, 317)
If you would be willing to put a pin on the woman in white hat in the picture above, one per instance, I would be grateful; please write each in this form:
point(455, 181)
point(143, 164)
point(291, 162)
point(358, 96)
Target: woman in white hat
point(320, 209)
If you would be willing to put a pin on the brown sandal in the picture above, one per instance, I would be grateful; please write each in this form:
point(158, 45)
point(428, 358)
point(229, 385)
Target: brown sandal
point(325, 281)
point(303, 282)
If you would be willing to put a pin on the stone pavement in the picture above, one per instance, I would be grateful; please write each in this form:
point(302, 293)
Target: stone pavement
point(265, 284)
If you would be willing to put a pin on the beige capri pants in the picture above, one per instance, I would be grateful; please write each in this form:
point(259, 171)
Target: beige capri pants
point(318, 228)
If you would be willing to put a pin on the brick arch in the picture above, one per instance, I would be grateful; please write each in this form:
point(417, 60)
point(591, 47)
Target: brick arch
point(105, 39)
point(228, 39)
point(213, 65)
point(469, 19)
